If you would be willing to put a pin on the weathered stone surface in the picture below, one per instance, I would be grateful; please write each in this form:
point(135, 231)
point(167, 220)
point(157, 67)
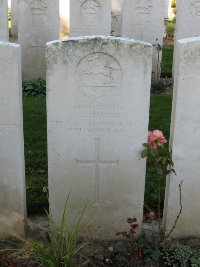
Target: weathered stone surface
point(38, 23)
point(96, 128)
point(89, 17)
point(185, 144)
point(144, 20)
point(4, 20)
point(12, 180)
point(116, 26)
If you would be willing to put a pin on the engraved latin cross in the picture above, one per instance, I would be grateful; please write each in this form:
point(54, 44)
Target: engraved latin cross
point(97, 162)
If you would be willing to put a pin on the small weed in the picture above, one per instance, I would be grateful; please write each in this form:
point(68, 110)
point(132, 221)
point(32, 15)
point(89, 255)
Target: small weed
point(170, 29)
point(34, 87)
point(61, 248)
point(141, 247)
point(148, 252)
point(132, 231)
point(181, 255)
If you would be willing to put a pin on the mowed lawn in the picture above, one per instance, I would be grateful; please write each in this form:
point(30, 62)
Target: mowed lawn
point(35, 138)
point(35, 134)
point(167, 60)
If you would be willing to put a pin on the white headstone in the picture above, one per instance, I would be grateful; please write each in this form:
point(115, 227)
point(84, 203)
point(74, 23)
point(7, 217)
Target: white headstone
point(116, 17)
point(14, 17)
point(89, 17)
point(144, 20)
point(4, 20)
point(187, 22)
point(98, 110)
point(185, 144)
point(12, 174)
point(38, 23)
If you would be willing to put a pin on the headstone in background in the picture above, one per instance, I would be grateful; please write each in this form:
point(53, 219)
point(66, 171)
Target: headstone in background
point(116, 17)
point(38, 23)
point(98, 110)
point(185, 144)
point(144, 20)
point(14, 17)
point(4, 36)
point(89, 17)
point(12, 171)
point(187, 23)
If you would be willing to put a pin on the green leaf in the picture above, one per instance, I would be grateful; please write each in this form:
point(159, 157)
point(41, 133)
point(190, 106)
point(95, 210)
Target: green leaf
point(144, 153)
point(145, 145)
point(154, 152)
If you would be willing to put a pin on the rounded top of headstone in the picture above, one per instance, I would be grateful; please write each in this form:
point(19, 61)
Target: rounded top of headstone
point(189, 40)
point(3, 43)
point(83, 39)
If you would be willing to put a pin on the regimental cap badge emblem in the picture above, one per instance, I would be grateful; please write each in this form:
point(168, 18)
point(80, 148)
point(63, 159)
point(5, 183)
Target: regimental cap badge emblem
point(90, 7)
point(98, 74)
point(38, 7)
point(144, 6)
point(195, 8)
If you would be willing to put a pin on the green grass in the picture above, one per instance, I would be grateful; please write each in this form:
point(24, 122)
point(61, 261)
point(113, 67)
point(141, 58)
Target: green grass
point(36, 148)
point(35, 152)
point(167, 60)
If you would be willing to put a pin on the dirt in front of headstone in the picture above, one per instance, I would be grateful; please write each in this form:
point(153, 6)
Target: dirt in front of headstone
point(118, 253)
point(93, 253)
point(164, 86)
point(146, 251)
point(15, 253)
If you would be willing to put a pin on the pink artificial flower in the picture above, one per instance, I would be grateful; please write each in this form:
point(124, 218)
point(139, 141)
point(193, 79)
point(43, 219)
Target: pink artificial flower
point(156, 139)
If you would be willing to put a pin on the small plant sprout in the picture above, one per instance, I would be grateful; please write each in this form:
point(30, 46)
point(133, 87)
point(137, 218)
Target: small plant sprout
point(132, 231)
